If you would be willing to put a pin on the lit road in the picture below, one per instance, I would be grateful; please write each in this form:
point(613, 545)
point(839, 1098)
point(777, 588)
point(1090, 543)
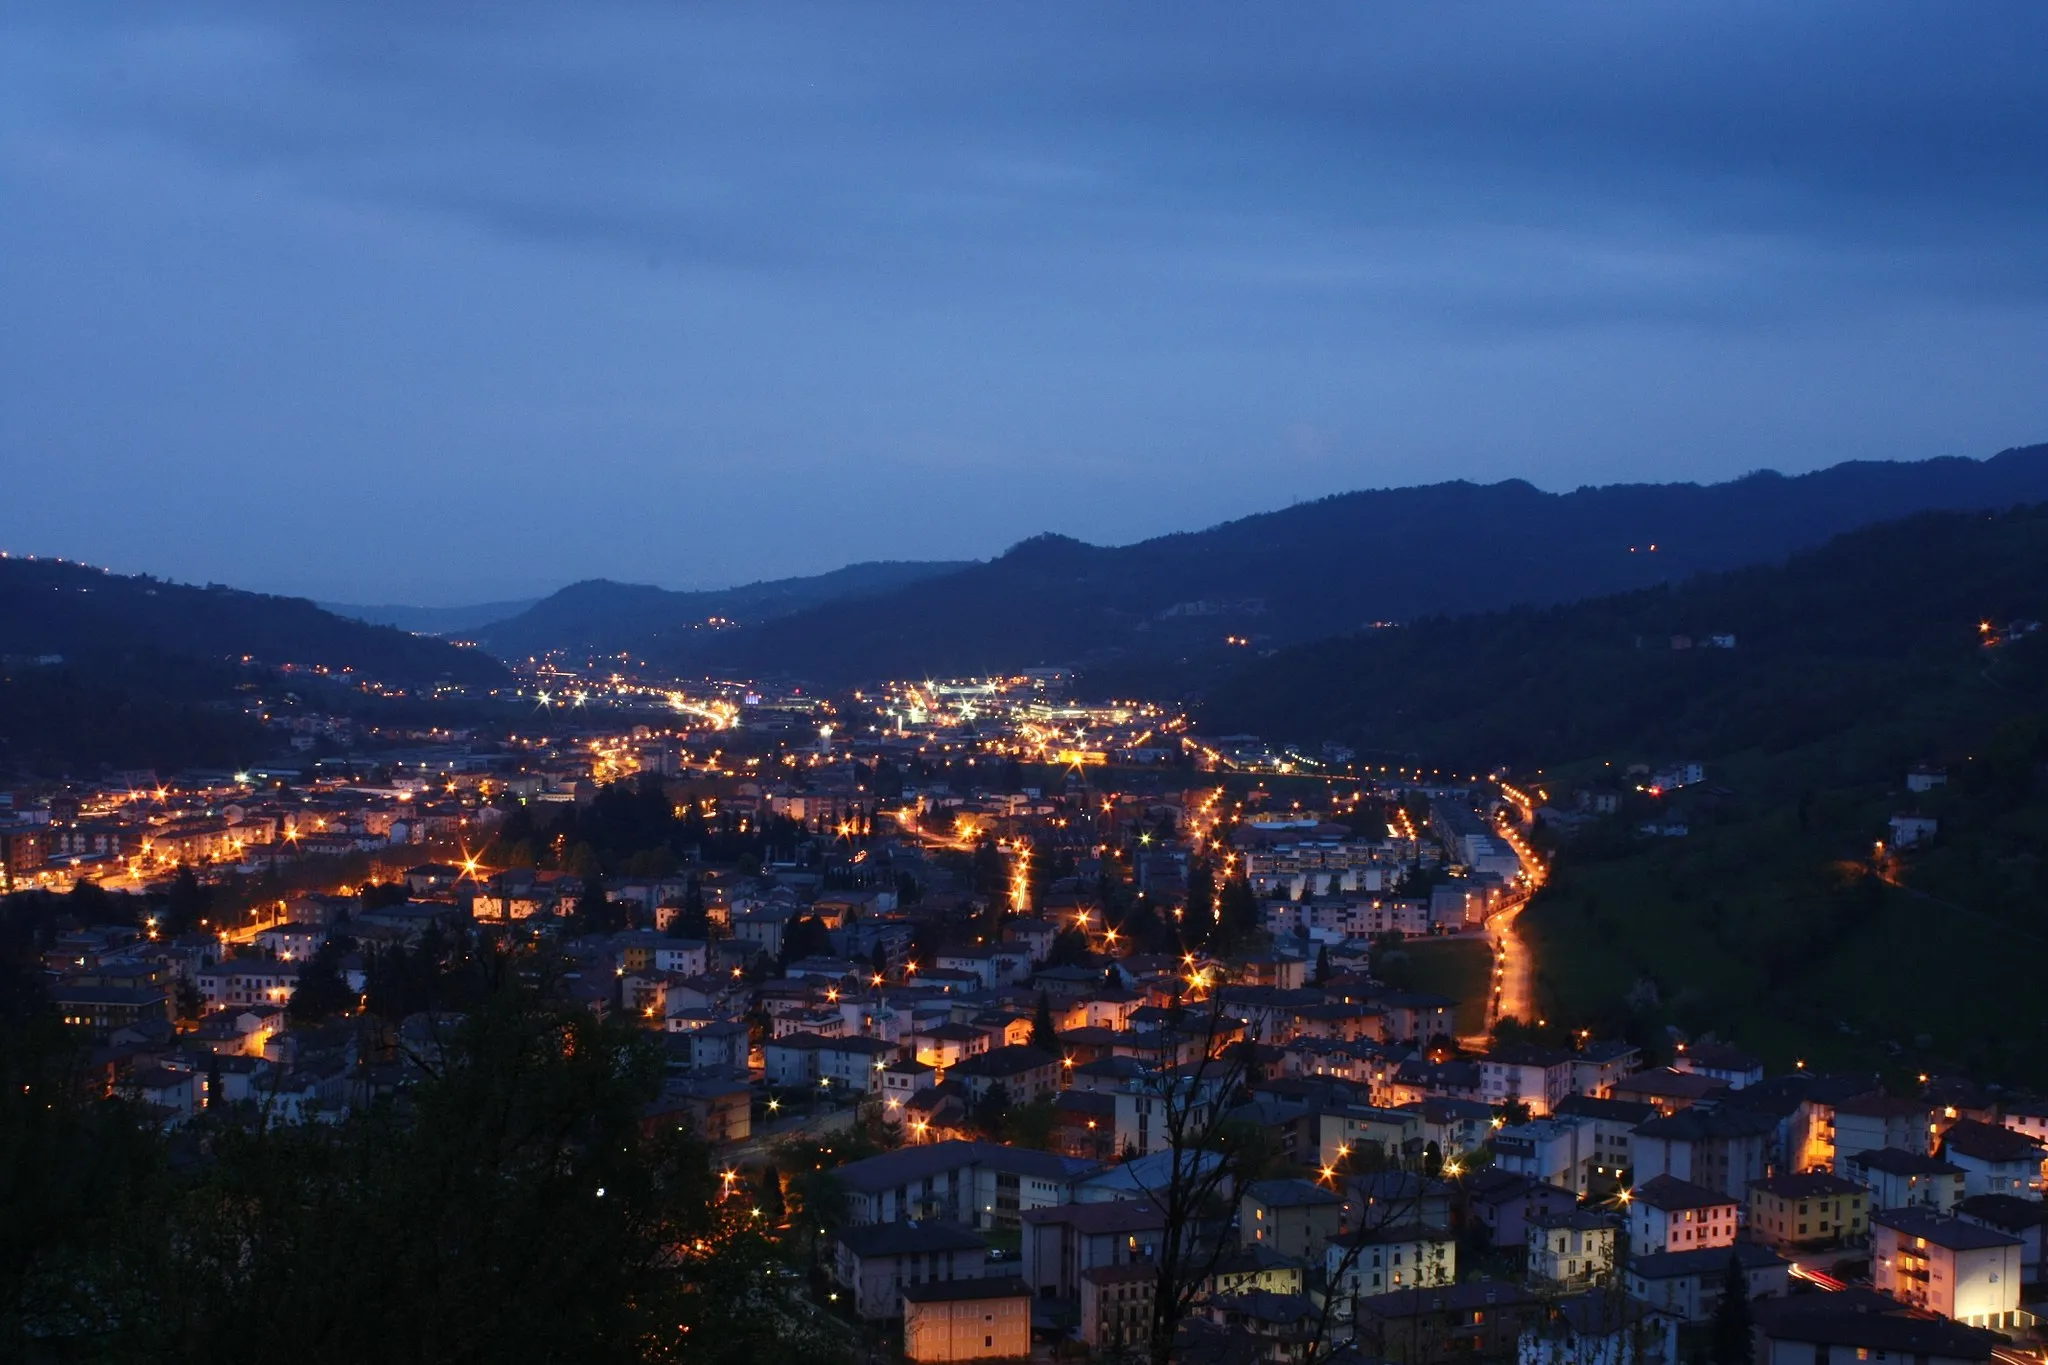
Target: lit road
point(1514, 969)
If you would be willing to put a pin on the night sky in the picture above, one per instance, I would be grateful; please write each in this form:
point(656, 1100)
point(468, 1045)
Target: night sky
point(437, 302)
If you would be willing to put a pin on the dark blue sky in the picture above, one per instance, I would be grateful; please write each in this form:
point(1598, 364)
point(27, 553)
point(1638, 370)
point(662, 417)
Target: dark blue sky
point(438, 302)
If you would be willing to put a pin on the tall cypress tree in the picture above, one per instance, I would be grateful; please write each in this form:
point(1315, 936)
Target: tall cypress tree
point(1044, 1036)
point(1730, 1342)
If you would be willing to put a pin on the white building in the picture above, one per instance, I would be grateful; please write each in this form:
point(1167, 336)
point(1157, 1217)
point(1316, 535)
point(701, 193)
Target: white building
point(1958, 1269)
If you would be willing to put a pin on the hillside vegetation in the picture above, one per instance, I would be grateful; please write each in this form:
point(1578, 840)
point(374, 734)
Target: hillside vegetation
point(1775, 918)
point(1335, 565)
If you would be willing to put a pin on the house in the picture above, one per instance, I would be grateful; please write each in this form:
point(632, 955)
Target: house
point(847, 1064)
point(1116, 1305)
point(1281, 1328)
point(1505, 1204)
point(722, 1045)
point(1810, 1329)
point(1375, 1260)
point(1809, 1210)
point(1025, 1073)
point(1392, 1196)
point(1865, 1123)
point(1687, 1284)
point(1901, 1180)
point(719, 1108)
point(1342, 1130)
point(986, 1319)
point(1668, 1214)
point(875, 1261)
point(1666, 1089)
point(1598, 1065)
point(1598, 1329)
point(980, 1184)
point(1614, 1125)
point(2029, 1118)
point(1557, 1151)
point(1060, 1244)
point(1525, 1073)
point(1480, 1319)
point(1571, 1249)
point(292, 942)
point(1721, 1148)
point(2026, 1219)
point(1293, 1217)
point(1959, 1269)
point(1719, 1062)
point(1910, 831)
point(1994, 1159)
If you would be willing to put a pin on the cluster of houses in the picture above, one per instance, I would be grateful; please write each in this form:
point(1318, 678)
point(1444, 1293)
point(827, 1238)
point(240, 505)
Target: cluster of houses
point(1565, 1205)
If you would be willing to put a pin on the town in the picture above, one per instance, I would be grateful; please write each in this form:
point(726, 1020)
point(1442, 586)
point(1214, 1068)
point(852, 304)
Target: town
point(1018, 1025)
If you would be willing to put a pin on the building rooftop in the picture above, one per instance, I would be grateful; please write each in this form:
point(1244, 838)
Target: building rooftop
point(1954, 1234)
point(908, 1239)
point(1668, 1193)
point(1988, 1142)
point(1806, 1185)
point(958, 1291)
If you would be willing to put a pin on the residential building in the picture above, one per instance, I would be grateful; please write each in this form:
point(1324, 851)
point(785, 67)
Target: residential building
point(1719, 1062)
point(1598, 1065)
point(1525, 1073)
point(1902, 1180)
point(1480, 1319)
point(1808, 1210)
point(1721, 1148)
point(1961, 1270)
point(1597, 1328)
point(986, 1319)
point(1865, 1123)
point(1571, 1249)
point(1994, 1159)
point(1116, 1305)
point(1557, 1151)
point(874, 1262)
point(2026, 1219)
point(980, 1184)
point(1375, 1260)
point(1687, 1284)
point(1060, 1244)
point(1293, 1217)
point(1855, 1325)
point(1668, 1214)
point(1614, 1125)
point(1505, 1203)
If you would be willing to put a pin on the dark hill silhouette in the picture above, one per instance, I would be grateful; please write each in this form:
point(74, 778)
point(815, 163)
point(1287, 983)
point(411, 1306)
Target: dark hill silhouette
point(601, 616)
point(53, 607)
point(1335, 565)
point(1878, 620)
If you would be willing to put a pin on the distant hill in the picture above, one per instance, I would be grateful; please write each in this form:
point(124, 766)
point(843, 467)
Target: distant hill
point(604, 617)
point(431, 620)
point(86, 614)
point(1875, 622)
point(1327, 567)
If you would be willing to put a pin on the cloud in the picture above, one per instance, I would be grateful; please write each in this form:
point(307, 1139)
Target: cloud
point(867, 242)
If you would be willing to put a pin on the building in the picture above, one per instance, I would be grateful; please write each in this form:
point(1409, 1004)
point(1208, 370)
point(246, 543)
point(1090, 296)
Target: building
point(1061, 1244)
point(1614, 1125)
point(1994, 1159)
point(1687, 1284)
point(1906, 1180)
point(1573, 1249)
point(1025, 1073)
point(1808, 1211)
point(1398, 1256)
point(875, 1262)
point(985, 1319)
point(1721, 1148)
point(1719, 1062)
point(1598, 1329)
point(1480, 1319)
point(1525, 1073)
point(1556, 1151)
point(2026, 1219)
point(1116, 1305)
point(1814, 1329)
point(1505, 1204)
point(980, 1184)
point(1293, 1217)
point(1668, 1214)
point(1865, 1123)
point(1959, 1269)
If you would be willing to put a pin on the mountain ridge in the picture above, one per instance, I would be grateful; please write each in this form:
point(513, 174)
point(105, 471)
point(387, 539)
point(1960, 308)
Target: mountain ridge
point(1337, 564)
